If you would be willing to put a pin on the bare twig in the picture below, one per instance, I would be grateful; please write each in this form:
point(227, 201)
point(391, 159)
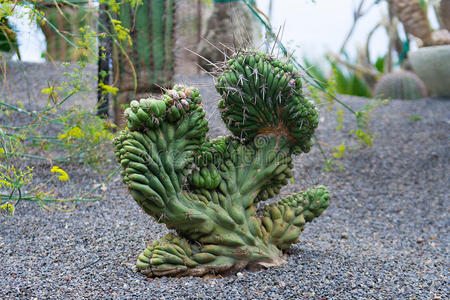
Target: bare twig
point(357, 14)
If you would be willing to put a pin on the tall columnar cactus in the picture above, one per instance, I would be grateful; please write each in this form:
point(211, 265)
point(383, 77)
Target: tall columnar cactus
point(401, 85)
point(207, 190)
point(151, 53)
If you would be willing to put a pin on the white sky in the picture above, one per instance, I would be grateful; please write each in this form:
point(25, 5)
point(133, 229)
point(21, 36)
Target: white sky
point(316, 28)
point(30, 37)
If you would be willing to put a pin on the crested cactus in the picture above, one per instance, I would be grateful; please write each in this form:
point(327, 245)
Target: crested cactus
point(400, 85)
point(207, 190)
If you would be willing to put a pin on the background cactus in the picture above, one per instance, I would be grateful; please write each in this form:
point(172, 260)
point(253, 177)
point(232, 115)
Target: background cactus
point(68, 17)
point(207, 190)
point(401, 85)
point(151, 53)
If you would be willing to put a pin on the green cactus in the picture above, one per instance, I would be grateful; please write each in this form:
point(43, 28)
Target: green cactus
point(400, 85)
point(207, 190)
point(151, 30)
point(151, 52)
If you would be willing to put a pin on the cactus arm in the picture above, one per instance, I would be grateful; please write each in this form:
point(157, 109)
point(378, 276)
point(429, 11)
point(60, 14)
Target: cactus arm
point(263, 96)
point(152, 151)
point(284, 220)
point(248, 168)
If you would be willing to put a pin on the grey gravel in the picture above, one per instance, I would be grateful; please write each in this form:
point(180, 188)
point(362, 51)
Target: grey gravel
point(384, 236)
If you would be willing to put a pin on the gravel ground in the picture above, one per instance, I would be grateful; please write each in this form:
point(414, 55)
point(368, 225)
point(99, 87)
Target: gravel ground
point(384, 236)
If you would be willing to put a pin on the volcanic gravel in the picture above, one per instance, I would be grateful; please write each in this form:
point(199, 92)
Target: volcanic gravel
point(384, 236)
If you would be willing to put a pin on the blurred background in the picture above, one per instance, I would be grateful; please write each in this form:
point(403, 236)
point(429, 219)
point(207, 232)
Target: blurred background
point(313, 28)
point(140, 46)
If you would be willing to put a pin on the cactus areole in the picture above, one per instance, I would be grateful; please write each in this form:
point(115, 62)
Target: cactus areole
point(207, 190)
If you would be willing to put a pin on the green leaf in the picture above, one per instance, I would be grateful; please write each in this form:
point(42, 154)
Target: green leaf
point(379, 64)
point(360, 87)
point(423, 4)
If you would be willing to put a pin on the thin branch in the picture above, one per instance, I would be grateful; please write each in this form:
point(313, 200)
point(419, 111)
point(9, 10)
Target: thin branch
point(357, 14)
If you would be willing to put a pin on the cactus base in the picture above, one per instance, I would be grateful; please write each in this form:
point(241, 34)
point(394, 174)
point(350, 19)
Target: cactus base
point(161, 259)
point(176, 256)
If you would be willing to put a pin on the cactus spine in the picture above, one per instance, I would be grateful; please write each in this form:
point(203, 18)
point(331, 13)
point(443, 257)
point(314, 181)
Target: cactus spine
point(207, 190)
point(400, 85)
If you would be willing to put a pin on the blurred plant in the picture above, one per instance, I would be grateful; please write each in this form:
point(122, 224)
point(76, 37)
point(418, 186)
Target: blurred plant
point(16, 183)
point(69, 17)
point(81, 136)
point(8, 40)
point(400, 85)
point(86, 137)
point(415, 118)
point(367, 70)
point(345, 81)
point(414, 17)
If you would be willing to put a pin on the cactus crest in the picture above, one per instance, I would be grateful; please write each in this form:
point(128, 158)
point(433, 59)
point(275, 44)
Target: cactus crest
point(207, 190)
